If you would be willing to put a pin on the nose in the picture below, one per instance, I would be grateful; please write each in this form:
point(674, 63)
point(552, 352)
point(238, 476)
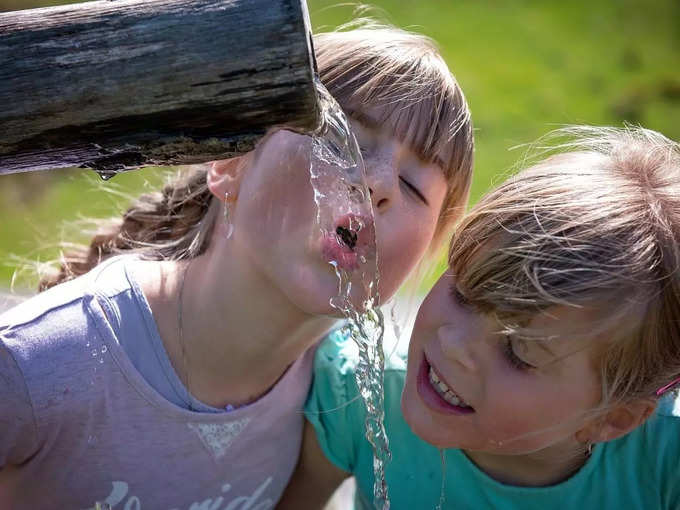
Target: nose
point(381, 176)
point(456, 346)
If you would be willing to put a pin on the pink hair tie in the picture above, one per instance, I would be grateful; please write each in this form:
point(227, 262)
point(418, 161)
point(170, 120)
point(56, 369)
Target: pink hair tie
point(670, 385)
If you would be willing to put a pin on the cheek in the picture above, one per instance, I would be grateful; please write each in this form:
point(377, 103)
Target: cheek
point(525, 412)
point(276, 200)
point(281, 167)
point(430, 317)
point(401, 245)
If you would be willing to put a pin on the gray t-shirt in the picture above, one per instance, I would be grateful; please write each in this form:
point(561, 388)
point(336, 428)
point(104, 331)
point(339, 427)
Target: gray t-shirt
point(79, 424)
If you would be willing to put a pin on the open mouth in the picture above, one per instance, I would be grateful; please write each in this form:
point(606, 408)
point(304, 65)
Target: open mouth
point(436, 393)
point(349, 237)
point(346, 246)
point(444, 391)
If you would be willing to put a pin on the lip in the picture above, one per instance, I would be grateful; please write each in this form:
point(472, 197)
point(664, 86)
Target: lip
point(334, 250)
point(431, 398)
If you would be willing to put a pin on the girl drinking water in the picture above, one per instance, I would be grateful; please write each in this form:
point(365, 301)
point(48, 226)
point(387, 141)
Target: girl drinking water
point(543, 361)
point(171, 370)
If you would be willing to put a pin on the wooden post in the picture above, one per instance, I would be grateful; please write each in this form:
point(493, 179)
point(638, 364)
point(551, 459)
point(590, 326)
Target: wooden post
point(119, 84)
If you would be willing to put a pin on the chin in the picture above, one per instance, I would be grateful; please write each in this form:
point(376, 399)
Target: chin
point(314, 304)
point(311, 286)
point(420, 421)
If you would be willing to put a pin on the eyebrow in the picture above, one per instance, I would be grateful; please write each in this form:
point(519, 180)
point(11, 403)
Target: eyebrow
point(538, 342)
point(364, 118)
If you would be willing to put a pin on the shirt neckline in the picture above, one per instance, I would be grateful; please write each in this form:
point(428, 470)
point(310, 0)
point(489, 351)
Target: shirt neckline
point(137, 381)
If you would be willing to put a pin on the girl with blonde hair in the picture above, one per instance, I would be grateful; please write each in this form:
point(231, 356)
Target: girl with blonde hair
point(169, 366)
point(543, 361)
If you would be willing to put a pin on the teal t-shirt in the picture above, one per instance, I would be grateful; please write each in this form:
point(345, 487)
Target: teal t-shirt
point(638, 471)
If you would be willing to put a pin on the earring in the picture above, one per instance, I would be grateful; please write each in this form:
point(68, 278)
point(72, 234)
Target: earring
point(589, 449)
point(227, 214)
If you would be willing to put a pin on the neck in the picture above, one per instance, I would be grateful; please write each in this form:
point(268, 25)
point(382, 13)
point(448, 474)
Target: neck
point(239, 334)
point(548, 466)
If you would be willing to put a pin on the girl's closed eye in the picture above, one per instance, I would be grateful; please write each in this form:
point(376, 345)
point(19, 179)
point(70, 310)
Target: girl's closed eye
point(413, 189)
point(458, 296)
point(512, 357)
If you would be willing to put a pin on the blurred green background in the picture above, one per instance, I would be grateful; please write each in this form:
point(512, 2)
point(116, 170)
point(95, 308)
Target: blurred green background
point(525, 67)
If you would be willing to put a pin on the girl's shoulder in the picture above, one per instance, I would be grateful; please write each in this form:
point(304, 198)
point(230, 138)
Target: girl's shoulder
point(661, 430)
point(36, 307)
point(649, 454)
point(60, 323)
point(47, 305)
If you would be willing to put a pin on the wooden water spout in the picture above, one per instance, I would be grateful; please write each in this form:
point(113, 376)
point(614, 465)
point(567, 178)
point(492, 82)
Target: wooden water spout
point(119, 84)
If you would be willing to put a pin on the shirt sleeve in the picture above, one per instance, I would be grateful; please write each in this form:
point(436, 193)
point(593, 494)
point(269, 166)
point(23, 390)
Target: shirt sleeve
point(18, 431)
point(334, 407)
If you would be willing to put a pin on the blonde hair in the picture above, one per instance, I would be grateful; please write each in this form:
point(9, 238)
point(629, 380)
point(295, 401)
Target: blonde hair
point(597, 226)
point(400, 72)
point(405, 80)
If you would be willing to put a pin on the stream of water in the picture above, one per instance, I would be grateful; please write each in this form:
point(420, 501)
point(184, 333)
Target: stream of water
point(338, 177)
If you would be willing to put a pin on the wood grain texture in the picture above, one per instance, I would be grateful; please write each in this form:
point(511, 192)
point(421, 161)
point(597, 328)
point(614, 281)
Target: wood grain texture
point(117, 84)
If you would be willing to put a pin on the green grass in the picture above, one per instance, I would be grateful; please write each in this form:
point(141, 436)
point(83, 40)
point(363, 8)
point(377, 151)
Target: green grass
point(525, 66)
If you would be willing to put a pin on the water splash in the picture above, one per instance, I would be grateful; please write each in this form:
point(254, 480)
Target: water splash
point(442, 456)
point(338, 179)
point(106, 175)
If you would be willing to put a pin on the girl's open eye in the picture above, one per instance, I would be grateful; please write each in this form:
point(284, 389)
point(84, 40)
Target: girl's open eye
point(412, 189)
point(512, 357)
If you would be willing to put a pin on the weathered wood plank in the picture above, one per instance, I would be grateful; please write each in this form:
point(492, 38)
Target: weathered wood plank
point(127, 83)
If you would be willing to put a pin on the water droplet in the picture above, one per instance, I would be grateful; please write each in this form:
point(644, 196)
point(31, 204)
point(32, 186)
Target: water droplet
point(87, 344)
point(356, 195)
point(442, 497)
point(362, 259)
point(94, 353)
point(106, 174)
point(101, 360)
point(103, 349)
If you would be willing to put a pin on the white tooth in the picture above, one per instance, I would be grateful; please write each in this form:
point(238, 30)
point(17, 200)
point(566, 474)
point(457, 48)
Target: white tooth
point(452, 399)
point(443, 390)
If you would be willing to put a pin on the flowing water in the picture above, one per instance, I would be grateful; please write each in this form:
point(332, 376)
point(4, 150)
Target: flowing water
point(338, 177)
point(442, 456)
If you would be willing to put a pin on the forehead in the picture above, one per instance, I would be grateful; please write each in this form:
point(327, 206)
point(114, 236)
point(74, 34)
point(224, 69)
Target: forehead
point(408, 124)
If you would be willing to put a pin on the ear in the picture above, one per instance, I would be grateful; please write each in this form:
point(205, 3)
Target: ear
point(618, 421)
point(225, 176)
